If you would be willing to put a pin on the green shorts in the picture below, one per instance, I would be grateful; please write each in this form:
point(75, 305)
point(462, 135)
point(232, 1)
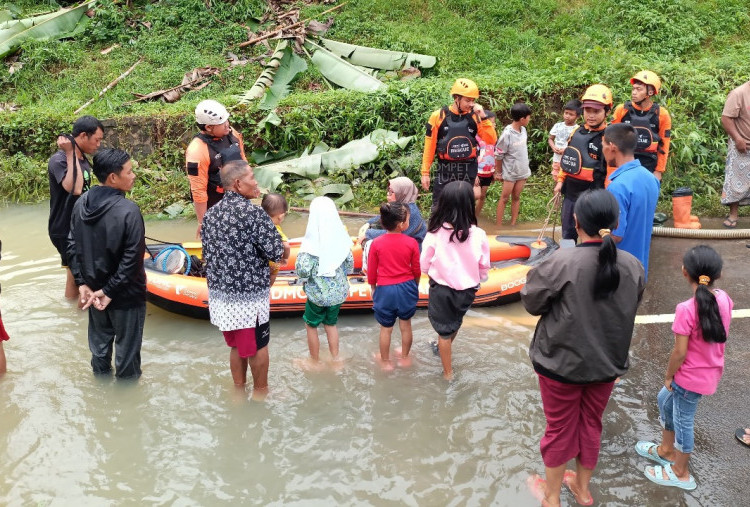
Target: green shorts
point(315, 315)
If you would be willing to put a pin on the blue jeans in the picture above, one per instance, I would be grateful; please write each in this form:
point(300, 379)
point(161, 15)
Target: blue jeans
point(677, 413)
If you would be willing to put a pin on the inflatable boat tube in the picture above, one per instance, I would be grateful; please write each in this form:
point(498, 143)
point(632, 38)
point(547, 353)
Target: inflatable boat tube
point(512, 257)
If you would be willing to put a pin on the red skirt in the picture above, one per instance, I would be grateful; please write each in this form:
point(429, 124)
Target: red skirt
point(574, 421)
point(3, 334)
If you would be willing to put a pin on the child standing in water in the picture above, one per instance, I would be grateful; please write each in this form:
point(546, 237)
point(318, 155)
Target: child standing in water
point(560, 133)
point(701, 328)
point(456, 256)
point(393, 273)
point(276, 207)
point(512, 162)
point(324, 260)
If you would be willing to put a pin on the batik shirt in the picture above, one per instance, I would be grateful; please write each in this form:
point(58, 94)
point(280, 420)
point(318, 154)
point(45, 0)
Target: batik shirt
point(324, 290)
point(239, 239)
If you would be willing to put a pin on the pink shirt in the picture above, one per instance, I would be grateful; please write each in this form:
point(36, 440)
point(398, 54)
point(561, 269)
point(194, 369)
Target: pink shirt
point(704, 361)
point(457, 265)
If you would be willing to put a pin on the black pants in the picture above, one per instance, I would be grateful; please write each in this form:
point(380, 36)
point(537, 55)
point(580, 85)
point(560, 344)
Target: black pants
point(647, 160)
point(568, 222)
point(452, 171)
point(122, 327)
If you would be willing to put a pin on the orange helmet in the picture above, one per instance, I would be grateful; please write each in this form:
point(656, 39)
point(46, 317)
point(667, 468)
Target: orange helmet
point(598, 93)
point(465, 88)
point(648, 78)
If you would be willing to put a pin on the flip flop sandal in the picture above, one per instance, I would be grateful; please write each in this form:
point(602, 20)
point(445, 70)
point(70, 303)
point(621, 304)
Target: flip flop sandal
point(537, 486)
point(570, 476)
point(729, 223)
point(739, 434)
point(649, 451)
point(658, 478)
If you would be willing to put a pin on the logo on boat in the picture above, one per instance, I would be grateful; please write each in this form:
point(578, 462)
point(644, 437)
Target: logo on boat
point(184, 291)
point(513, 284)
point(160, 284)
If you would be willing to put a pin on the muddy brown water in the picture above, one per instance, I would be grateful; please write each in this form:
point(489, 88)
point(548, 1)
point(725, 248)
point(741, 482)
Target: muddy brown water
point(358, 436)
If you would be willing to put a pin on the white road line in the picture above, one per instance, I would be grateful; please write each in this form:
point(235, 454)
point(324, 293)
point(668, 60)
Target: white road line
point(669, 317)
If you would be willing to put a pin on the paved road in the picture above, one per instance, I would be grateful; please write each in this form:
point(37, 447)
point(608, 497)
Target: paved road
point(719, 459)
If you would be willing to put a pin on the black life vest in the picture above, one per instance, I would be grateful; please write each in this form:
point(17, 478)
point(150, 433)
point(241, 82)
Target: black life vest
point(219, 152)
point(457, 136)
point(583, 155)
point(646, 124)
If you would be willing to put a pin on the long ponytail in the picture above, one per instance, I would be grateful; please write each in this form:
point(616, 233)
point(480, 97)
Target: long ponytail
point(607, 273)
point(703, 265)
point(597, 213)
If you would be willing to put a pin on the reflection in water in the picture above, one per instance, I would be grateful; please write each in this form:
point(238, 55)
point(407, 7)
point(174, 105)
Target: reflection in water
point(181, 434)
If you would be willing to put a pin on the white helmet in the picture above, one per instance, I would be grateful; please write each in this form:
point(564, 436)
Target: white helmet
point(210, 112)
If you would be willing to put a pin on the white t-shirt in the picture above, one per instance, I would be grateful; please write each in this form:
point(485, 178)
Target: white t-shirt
point(562, 132)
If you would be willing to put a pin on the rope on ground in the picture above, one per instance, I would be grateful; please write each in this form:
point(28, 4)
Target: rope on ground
point(553, 207)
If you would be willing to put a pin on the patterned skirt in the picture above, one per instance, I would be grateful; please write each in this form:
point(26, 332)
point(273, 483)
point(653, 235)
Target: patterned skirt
point(736, 177)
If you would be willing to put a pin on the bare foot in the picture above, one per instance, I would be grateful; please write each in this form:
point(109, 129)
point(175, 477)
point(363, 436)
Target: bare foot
point(259, 394)
point(571, 482)
point(337, 364)
point(404, 362)
point(385, 364)
point(448, 375)
point(308, 364)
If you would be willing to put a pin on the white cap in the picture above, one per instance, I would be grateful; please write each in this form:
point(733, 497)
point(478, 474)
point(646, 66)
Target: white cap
point(210, 112)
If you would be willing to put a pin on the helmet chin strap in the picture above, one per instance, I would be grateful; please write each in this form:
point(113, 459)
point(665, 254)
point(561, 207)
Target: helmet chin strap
point(458, 105)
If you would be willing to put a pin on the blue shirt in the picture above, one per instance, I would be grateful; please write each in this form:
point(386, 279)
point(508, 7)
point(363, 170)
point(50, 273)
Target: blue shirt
point(417, 228)
point(636, 191)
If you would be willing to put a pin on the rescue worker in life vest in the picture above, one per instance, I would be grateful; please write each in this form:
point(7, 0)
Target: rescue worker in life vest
point(582, 165)
point(651, 121)
point(452, 134)
point(215, 145)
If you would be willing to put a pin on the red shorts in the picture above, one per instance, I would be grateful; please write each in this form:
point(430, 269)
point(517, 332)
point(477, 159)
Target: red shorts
point(574, 421)
point(3, 335)
point(250, 340)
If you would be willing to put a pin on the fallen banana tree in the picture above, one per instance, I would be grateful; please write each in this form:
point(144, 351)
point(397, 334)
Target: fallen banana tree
point(310, 166)
point(54, 25)
point(346, 65)
point(273, 83)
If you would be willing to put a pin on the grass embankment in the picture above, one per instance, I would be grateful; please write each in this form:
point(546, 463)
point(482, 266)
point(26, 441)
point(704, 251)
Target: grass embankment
point(541, 51)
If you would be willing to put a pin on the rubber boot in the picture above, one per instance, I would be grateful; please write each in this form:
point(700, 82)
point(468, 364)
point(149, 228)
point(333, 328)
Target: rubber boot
point(682, 201)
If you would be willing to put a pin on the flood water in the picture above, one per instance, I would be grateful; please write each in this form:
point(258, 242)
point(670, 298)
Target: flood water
point(182, 435)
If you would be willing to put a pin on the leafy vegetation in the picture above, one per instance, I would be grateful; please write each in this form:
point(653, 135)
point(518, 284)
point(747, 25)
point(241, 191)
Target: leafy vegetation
point(541, 51)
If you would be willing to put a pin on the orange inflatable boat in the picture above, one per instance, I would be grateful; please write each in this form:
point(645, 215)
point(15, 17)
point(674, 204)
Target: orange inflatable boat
point(511, 256)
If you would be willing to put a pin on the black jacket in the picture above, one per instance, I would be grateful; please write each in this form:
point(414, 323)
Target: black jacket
point(106, 246)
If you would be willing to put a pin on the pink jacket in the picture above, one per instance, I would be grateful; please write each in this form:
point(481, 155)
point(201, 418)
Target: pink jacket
point(457, 265)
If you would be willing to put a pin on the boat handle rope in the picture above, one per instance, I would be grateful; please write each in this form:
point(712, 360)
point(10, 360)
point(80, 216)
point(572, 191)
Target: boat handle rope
point(553, 207)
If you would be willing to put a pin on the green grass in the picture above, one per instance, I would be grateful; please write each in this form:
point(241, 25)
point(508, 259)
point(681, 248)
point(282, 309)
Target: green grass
point(541, 51)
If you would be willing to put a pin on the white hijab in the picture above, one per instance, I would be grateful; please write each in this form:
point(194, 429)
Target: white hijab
point(326, 236)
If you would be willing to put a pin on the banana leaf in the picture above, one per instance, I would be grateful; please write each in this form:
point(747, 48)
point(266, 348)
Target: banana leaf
point(375, 58)
point(265, 79)
point(273, 82)
point(341, 72)
point(340, 192)
point(291, 65)
point(55, 25)
point(352, 154)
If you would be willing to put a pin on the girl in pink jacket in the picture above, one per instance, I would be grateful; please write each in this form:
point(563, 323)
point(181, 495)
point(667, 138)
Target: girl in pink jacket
point(456, 256)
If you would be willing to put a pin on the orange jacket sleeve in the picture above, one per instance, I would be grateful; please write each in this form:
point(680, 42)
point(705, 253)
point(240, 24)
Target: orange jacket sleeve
point(242, 143)
point(486, 131)
point(197, 161)
point(618, 114)
point(430, 142)
point(665, 133)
